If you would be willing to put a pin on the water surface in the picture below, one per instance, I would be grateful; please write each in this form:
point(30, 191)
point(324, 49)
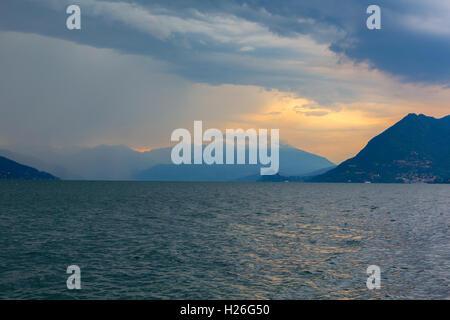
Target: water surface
point(150, 240)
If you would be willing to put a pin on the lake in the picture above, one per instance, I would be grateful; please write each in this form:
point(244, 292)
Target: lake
point(164, 240)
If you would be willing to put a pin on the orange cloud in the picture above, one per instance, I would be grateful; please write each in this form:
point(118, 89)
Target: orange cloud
point(144, 149)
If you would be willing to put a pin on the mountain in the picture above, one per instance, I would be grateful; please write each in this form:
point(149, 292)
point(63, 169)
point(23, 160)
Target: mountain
point(108, 162)
point(293, 162)
point(296, 162)
point(415, 149)
point(11, 170)
point(98, 163)
point(34, 162)
point(122, 163)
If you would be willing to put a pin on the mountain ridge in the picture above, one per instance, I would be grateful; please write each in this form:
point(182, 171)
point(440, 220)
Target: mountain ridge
point(12, 170)
point(119, 162)
point(415, 149)
point(293, 161)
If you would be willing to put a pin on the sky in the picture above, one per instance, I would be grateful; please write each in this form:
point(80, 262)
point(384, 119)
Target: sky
point(137, 70)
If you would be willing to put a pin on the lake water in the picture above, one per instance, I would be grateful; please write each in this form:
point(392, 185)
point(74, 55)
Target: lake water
point(150, 240)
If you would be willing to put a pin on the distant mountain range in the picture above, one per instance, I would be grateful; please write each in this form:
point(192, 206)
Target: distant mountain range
point(11, 170)
point(415, 149)
point(122, 163)
point(293, 161)
point(98, 163)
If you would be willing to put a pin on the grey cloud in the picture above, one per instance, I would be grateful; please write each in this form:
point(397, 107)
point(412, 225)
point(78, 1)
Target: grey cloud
point(60, 93)
point(211, 41)
point(411, 44)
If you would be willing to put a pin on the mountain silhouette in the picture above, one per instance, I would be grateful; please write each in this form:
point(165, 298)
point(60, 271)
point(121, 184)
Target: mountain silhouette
point(415, 149)
point(293, 162)
point(102, 162)
point(119, 162)
point(11, 170)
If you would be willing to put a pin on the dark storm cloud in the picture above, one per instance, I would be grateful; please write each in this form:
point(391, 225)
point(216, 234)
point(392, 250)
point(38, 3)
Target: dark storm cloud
point(414, 42)
point(412, 45)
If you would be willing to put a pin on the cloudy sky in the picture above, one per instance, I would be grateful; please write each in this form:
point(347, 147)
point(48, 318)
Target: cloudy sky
point(137, 70)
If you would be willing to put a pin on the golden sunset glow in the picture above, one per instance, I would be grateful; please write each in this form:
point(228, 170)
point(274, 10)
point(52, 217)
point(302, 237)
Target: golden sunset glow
point(144, 149)
point(338, 131)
